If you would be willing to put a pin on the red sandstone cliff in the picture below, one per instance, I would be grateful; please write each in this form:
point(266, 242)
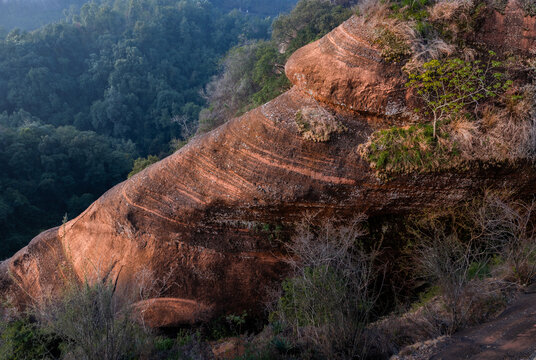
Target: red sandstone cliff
point(193, 219)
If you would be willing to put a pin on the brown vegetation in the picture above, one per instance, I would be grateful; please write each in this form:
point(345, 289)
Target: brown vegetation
point(474, 258)
point(317, 124)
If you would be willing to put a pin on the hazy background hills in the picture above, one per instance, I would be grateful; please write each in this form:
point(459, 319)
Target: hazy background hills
point(32, 14)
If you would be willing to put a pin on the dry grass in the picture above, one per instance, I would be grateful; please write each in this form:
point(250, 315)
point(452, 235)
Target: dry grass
point(506, 133)
point(424, 50)
point(445, 11)
point(317, 124)
point(394, 36)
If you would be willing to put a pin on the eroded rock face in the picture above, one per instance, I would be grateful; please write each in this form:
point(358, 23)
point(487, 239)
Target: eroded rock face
point(202, 226)
point(343, 69)
point(510, 30)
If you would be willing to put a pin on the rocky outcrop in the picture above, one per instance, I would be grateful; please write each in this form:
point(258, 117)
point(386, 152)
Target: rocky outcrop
point(202, 227)
point(509, 30)
point(344, 70)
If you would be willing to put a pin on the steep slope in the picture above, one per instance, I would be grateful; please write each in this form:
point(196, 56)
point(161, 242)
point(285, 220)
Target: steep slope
point(201, 227)
point(509, 336)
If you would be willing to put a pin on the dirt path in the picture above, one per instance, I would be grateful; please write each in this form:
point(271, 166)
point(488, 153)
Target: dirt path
point(510, 336)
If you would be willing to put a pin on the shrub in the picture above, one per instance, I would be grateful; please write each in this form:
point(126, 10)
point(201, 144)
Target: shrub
point(23, 339)
point(226, 326)
point(317, 124)
point(451, 86)
point(188, 345)
point(506, 226)
point(163, 343)
point(393, 48)
point(451, 264)
point(93, 322)
point(474, 253)
point(329, 300)
point(142, 163)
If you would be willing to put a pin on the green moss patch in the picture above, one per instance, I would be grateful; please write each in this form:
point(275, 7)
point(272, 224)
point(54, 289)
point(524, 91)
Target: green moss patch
point(402, 150)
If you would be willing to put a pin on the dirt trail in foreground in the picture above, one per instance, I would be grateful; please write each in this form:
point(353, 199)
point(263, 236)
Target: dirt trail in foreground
point(510, 336)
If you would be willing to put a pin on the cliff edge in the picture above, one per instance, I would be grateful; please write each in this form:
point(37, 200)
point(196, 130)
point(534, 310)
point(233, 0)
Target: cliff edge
point(203, 226)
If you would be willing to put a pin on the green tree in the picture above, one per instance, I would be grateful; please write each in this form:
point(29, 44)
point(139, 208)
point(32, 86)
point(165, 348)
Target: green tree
point(142, 163)
point(451, 86)
point(254, 73)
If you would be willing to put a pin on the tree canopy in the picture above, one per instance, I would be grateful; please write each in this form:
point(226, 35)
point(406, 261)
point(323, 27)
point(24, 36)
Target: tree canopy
point(82, 98)
point(253, 73)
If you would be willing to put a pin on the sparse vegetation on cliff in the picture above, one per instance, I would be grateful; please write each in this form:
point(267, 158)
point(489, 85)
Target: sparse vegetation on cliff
point(449, 87)
point(408, 149)
point(317, 124)
point(461, 90)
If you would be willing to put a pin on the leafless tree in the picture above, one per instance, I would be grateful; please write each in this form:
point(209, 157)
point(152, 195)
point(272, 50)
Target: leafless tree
point(329, 300)
point(507, 228)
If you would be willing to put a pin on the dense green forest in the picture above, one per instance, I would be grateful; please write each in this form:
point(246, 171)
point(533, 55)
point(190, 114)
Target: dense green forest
point(49, 170)
point(32, 14)
point(83, 98)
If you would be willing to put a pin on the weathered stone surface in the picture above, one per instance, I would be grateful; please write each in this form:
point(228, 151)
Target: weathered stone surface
point(511, 30)
point(202, 224)
point(345, 70)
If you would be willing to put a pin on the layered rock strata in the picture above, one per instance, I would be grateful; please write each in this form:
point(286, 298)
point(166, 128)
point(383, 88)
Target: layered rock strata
point(202, 227)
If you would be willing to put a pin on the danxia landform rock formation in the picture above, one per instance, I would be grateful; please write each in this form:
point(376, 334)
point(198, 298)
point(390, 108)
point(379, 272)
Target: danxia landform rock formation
point(204, 224)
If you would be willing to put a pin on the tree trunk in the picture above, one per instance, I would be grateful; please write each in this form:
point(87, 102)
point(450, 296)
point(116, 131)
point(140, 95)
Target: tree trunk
point(434, 125)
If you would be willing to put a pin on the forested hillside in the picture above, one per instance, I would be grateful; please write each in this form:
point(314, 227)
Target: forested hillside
point(32, 14)
point(260, 7)
point(81, 99)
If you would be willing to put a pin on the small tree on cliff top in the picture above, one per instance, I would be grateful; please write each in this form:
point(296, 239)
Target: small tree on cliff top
point(447, 87)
